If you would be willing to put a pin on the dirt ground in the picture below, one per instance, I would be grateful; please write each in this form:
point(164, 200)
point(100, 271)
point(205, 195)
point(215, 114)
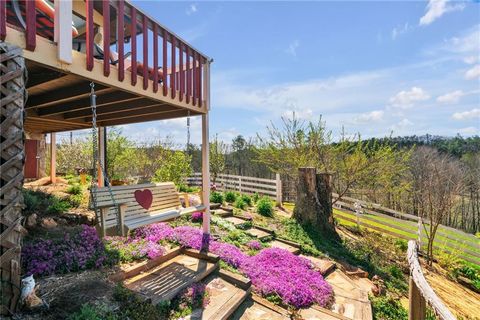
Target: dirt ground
point(460, 300)
point(66, 294)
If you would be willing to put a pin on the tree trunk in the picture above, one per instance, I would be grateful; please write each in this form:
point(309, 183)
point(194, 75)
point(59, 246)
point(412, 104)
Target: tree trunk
point(12, 80)
point(314, 201)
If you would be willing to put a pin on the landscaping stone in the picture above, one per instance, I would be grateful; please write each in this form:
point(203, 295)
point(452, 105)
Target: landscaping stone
point(236, 221)
point(31, 220)
point(222, 213)
point(251, 310)
point(284, 245)
point(48, 223)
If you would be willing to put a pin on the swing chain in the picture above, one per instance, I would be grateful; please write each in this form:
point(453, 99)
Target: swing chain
point(94, 185)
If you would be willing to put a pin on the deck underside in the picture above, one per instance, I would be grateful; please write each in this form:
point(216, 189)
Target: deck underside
point(61, 102)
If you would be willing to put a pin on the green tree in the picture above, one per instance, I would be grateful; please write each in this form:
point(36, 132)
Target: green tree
point(217, 158)
point(121, 153)
point(78, 154)
point(175, 168)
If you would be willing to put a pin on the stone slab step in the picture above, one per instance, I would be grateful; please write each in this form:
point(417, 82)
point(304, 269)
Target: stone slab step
point(222, 213)
point(350, 300)
point(252, 310)
point(260, 234)
point(318, 313)
point(284, 245)
point(324, 266)
point(225, 298)
point(236, 221)
point(168, 279)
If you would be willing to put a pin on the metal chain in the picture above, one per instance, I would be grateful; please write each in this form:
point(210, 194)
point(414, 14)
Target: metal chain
point(94, 185)
point(188, 132)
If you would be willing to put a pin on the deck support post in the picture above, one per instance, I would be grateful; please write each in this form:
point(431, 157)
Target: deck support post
point(63, 30)
point(101, 156)
point(53, 157)
point(205, 174)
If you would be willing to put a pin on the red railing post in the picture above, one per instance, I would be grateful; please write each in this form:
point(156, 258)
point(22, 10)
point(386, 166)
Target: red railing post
point(133, 35)
point(31, 27)
point(200, 78)
point(165, 70)
point(89, 33)
point(3, 19)
point(145, 51)
point(172, 75)
point(106, 38)
point(181, 71)
point(189, 75)
point(120, 39)
point(195, 80)
point(155, 57)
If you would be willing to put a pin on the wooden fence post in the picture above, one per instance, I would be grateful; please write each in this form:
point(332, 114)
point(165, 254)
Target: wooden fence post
point(419, 233)
point(12, 80)
point(240, 184)
point(416, 302)
point(279, 189)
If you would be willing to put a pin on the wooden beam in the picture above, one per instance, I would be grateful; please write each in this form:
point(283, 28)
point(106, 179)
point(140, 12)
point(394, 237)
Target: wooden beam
point(101, 156)
point(84, 103)
point(59, 121)
point(44, 80)
point(53, 158)
point(111, 108)
point(205, 174)
point(147, 118)
point(66, 94)
point(154, 110)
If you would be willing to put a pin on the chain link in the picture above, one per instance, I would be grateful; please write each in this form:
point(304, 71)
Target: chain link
point(94, 185)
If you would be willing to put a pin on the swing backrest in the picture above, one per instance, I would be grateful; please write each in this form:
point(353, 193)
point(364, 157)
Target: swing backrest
point(144, 200)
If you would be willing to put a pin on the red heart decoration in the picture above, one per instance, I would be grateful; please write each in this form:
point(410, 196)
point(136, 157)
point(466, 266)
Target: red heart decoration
point(144, 198)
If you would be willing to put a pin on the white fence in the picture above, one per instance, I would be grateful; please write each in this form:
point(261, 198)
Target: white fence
point(242, 184)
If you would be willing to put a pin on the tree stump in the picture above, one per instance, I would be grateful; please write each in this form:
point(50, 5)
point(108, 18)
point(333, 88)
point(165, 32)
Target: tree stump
point(12, 93)
point(314, 201)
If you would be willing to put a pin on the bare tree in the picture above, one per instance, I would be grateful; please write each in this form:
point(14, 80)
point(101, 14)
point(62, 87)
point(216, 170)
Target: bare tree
point(437, 184)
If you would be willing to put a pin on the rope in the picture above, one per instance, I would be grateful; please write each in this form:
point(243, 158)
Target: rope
point(94, 185)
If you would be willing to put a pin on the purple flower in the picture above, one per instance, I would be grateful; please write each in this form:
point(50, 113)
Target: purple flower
point(197, 216)
point(254, 245)
point(155, 232)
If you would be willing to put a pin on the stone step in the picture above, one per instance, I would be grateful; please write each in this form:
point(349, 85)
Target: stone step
point(168, 279)
point(236, 221)
point(222, 213)
point(277, 243)
point(323, 266)
point(251, 309)
point(225, 297)
point(350, 300)
point(260, 234)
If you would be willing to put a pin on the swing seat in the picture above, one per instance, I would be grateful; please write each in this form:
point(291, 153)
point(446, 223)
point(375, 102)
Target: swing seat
point(139, 205)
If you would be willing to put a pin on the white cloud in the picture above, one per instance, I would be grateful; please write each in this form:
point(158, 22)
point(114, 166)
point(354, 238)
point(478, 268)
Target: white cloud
point(304, 114)
point(292, 48)
point(467, 115)
point(436, 9)
point(406, 98)
point(469, 131)
point(473, 73)
point(373, 116)
point(471, 59)
point(451, 97)
point(192, 8)
point(399, 30)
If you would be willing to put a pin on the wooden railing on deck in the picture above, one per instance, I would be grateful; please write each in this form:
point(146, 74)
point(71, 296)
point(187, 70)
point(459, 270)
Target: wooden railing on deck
point(183, 82)
point(420, 293)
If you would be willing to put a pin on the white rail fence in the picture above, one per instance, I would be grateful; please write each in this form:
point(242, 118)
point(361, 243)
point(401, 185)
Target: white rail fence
point(243, 184)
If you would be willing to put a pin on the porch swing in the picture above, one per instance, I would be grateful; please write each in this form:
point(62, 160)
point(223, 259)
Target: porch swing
point(120, 209)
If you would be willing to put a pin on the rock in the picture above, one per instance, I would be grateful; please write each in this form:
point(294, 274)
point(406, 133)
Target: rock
point(31, 220)
point(378, 286)
point(357, 273)
point(49, 223)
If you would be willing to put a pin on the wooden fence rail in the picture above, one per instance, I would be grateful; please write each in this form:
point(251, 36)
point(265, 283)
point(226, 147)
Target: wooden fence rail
point(420, 292)
point(244, 184)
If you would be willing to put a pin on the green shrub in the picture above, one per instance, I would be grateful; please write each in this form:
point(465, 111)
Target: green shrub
point(240, 204)
point(32, 200)
point(265, 207)
point(93, 312)
point(230, 196)
point(75, 189)
point(247, 199)
point(255, 197)
point(216, 197)
point(57, 206)
point(395, 271)
point(387, 308)
point(75, 200)
point(401, 244)
point(185, 188)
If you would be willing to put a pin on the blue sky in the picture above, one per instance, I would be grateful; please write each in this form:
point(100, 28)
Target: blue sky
point(410, 67)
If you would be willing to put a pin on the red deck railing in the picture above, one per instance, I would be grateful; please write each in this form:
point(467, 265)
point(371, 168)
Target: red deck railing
point(176, 66)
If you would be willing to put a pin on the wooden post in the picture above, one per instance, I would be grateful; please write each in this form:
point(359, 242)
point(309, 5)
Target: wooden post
point(279, 189)
point(205, 174)
point(419, 233)
point(63, 30)
point(11, 173)
point(416, 302)
point(101, 156)
point(240, 184)
point(53, 158)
